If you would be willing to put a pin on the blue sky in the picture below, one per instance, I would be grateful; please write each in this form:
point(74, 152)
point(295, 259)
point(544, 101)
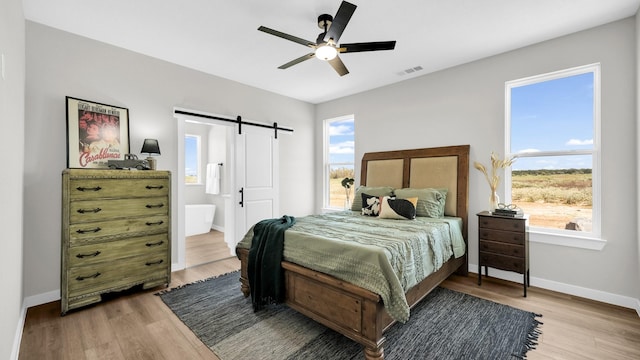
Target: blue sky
point(341, 141)
point(553, 115)
point(191, 155)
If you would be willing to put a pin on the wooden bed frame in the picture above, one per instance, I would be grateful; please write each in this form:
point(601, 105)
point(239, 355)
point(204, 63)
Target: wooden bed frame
point(358, 313)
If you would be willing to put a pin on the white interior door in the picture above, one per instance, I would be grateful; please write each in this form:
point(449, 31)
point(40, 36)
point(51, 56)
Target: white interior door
point(256, 178)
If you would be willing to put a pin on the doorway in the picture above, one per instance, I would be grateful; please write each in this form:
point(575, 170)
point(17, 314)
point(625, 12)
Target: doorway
point(249, 183)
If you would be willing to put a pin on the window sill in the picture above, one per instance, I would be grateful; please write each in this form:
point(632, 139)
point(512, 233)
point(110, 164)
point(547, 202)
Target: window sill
point(581, 242)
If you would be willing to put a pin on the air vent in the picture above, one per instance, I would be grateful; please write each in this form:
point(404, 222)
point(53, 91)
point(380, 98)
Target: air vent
point(410, 70)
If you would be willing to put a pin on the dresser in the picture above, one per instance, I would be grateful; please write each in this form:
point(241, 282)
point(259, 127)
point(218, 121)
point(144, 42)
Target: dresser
point(503, 244)
point(116, 233)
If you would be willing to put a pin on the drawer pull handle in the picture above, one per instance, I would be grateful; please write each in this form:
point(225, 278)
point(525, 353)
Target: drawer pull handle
point(82, 211)
point(155, 187)
point(82, 231)
point(80, 278)
point(82, 256)
point(154, 206)
point(149, 263)
point(154, 223)
point(155, 243)
point(82, 188)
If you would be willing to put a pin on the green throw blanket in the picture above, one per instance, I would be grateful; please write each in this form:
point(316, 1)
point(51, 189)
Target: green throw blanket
point(266, 277)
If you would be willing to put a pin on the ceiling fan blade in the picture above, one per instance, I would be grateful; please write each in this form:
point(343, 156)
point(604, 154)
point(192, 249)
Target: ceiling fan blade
point(297, 61)
point(340, 21)
point(368, 46)
point(338, 66)
point(287, 36)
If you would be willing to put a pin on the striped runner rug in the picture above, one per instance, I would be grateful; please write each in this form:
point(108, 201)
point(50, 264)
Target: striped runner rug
point(445, 325)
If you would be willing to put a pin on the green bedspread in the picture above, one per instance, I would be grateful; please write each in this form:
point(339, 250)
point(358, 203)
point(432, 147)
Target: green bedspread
point(384, 256)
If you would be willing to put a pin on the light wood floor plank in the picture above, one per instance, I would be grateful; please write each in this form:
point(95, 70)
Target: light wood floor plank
point(138, 325)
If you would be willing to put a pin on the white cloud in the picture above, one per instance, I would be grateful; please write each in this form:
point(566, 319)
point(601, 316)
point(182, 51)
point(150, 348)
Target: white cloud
point(345, 147)
point(340, 130)
point(580, 142)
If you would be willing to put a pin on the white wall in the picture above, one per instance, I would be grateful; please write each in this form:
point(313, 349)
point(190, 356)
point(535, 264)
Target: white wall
point(12, 122)
point(60, 64)
point(465, 105)
point(214, 150)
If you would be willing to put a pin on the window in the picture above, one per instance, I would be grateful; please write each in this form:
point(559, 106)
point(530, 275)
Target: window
point(192, 173)
point(552, 128)
point(338, 159)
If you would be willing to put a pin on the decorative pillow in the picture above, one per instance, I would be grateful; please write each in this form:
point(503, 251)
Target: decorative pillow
point(430, 201)
point(394, 208)
point(370, 205)
point(375, 191)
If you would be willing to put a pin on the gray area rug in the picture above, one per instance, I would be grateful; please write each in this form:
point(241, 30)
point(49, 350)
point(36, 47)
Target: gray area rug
point(445, 325)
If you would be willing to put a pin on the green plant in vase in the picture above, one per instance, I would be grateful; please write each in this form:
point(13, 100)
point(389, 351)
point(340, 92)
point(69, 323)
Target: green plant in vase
point(347, 183)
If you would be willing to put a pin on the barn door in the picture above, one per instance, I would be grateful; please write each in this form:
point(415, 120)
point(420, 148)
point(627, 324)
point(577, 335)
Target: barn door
point(256, 178)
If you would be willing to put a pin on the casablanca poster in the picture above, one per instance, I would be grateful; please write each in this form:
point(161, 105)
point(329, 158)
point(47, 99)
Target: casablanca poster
point(96, 133)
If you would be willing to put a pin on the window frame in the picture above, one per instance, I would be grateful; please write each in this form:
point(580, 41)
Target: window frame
point(199, 159)
point(588, 240)
point(326, 196)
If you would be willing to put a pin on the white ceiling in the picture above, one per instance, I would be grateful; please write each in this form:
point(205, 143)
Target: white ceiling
point(221, 37)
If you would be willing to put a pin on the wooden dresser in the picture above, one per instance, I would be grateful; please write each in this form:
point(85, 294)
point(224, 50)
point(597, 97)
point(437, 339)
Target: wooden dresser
point(115, 233)
point(503, 244)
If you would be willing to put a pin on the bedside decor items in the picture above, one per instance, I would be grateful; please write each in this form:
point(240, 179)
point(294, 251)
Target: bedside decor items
point(347, 183)
point(96, 133)
point(494, 178)
point(151, 147)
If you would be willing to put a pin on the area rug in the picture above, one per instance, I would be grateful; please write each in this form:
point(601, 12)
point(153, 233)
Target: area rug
point(445, 325)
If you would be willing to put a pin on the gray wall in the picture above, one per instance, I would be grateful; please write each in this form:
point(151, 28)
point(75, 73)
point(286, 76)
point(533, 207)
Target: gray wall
point(465, 105)
point(12, 121)
point(60, 64)
point(637, 144)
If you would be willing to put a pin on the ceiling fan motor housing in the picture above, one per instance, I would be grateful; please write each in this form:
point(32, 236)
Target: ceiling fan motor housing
point(324, 21)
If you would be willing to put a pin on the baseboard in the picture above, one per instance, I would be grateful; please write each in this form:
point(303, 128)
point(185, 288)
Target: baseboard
point(15, 352)
point(43, 298)
point(217, 227)
point(597, 295)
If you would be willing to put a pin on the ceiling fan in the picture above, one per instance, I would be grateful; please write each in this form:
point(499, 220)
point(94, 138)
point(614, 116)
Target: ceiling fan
point(326, 46)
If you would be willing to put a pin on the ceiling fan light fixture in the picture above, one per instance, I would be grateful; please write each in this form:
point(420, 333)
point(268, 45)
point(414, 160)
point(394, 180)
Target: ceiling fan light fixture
point(326, 52)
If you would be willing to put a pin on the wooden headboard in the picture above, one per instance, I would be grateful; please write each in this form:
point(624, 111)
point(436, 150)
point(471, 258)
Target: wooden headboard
point(440, 167)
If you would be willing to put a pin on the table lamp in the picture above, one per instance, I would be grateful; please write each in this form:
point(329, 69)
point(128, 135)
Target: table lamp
point(151, 147)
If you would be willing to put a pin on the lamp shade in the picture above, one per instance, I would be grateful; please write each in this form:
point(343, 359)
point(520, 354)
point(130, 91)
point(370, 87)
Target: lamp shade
point(151, 147)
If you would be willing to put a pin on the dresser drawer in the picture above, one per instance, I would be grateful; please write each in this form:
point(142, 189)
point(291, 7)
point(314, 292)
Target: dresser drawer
point(97, 231)
point(502, 236)
point(507, 224)
point(88, 189)
point(92, 254)
point(115, 275)
point(95, 210)
point(504, 262)
point(502, 248)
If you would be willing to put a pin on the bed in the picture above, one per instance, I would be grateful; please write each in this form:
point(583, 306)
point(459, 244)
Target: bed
point(352, 310)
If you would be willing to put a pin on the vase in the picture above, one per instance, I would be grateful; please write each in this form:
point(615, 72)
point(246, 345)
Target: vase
point(494, 199)
point(347, 204)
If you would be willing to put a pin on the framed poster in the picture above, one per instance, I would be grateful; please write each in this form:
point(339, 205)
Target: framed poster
point(96, 133)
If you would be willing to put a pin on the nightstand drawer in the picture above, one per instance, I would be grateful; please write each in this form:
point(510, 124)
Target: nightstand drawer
point(503, 262)
point(96, 210)
point(502, 248)
point(502, 236)
point(507, 224)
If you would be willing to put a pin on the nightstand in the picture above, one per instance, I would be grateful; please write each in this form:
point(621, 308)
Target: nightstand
point(503, 244)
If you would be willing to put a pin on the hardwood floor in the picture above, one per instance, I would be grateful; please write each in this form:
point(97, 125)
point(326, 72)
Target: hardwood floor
point(204, 248)
point(137, 325)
